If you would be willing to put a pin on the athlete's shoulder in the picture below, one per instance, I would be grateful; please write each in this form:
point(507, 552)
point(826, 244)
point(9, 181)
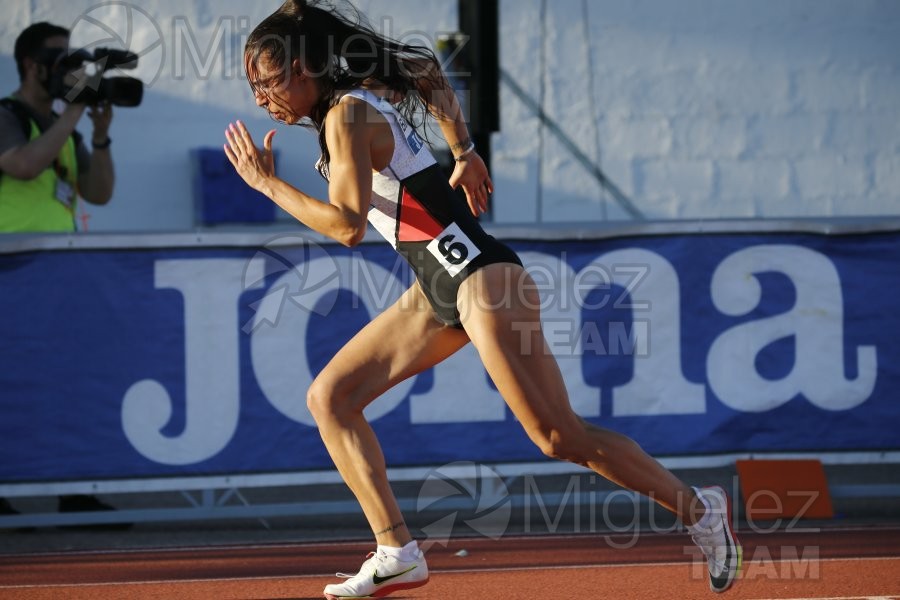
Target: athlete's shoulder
point(351, 114)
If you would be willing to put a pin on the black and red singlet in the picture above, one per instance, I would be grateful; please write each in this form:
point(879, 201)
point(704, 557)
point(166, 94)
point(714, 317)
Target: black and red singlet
point(414, 208)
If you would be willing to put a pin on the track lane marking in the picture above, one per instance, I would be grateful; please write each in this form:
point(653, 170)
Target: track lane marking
point(599, 535)
point(441, 572)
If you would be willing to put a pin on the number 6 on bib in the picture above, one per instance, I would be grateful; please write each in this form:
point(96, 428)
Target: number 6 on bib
point(453, 249)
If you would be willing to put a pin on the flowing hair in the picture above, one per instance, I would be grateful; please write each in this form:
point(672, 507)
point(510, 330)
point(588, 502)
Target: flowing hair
point(343, 53)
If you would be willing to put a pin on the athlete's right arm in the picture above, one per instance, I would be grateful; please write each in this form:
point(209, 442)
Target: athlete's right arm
point(29, 160)
point(343, 218)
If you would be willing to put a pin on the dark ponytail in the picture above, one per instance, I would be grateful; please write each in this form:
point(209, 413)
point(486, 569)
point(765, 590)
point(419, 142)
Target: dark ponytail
point(343, 52)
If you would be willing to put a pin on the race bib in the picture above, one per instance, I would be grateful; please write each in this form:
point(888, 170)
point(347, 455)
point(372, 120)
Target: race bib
point(453, 249)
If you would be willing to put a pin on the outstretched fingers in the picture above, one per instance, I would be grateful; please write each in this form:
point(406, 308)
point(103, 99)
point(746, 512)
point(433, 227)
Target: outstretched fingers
point(235, 143)
point(244, 135)
point(254, 165)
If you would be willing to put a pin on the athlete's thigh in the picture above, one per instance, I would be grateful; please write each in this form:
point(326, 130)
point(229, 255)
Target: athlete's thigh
point(404, 340)
point(500, 310)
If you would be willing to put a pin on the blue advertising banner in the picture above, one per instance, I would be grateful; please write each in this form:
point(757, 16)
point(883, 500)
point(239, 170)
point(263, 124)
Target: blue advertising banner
point(123, 363)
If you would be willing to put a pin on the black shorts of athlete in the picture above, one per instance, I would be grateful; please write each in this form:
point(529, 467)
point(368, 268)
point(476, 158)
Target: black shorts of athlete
point(441, 285)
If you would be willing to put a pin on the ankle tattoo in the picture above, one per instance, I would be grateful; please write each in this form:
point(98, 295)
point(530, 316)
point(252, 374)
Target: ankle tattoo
point(393, 527)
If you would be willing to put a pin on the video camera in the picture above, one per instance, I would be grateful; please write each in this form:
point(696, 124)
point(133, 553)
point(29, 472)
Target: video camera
point(77, 76)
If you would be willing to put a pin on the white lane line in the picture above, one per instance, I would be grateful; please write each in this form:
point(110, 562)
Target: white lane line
point(442, 572)
point(600, 536)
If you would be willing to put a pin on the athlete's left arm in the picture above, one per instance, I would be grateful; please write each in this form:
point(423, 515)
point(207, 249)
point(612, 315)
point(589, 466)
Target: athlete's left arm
point(470, 172)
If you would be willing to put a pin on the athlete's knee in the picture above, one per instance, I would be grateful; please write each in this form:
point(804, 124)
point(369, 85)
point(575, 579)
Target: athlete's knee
point(318, 400)
point(325, 400)
point(337, 397)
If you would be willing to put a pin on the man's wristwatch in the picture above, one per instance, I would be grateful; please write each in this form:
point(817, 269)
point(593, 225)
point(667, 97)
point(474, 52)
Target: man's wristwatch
point(102, 145)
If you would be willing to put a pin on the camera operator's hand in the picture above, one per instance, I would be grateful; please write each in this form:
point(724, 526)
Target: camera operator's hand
point(101, 115)
point(72, 113)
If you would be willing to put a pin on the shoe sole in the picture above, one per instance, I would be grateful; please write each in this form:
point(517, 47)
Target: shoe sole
point(382, 592)
point(733, 542)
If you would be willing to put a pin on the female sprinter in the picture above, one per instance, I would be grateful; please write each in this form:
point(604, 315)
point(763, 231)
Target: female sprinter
point(360, 90)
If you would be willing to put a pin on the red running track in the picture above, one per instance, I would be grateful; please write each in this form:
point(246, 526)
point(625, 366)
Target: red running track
point(828, 564)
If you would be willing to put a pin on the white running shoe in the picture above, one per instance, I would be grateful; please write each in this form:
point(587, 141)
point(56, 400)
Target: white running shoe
point(379, 576)
point(719, 544)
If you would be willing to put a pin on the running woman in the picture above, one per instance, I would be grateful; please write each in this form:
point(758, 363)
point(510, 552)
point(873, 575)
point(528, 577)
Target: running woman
point(309, 63)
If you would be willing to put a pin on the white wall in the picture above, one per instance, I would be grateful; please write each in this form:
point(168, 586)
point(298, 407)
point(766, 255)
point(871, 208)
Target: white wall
point(704, 108)
point(694, 108)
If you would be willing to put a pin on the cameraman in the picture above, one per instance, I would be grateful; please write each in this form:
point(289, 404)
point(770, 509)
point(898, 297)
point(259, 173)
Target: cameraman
point(44, 165)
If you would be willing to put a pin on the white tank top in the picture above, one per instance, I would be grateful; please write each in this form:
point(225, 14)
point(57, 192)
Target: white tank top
point(411, 156)
point(416, 211)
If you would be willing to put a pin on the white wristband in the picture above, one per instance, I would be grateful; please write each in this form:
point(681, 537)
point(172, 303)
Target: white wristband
point(466, 152)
